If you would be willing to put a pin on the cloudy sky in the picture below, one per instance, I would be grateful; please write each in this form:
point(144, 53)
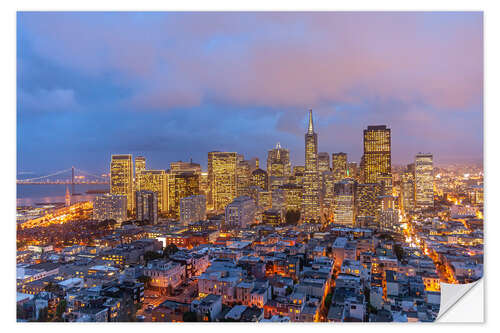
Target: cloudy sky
point(173, 86)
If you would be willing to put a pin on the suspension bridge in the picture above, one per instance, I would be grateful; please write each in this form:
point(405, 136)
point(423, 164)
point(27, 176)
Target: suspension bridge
point(71, 176)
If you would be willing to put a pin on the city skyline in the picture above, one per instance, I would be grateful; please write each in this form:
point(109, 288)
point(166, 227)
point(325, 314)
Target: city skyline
point(69, 98)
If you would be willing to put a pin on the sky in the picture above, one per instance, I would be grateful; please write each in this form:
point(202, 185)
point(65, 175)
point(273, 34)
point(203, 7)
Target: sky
point(174, 86)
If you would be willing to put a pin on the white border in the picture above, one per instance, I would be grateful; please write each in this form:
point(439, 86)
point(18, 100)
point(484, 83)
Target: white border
point(8, 168)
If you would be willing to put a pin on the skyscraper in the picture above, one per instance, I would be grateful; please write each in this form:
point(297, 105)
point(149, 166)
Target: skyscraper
point(407, 193)
point(367, 202)
point(193, 209)
point(259, 178)
point(292, 197)
point(424, 181)
point(344, 192)
point(339, 166)
point(181, 185)
point(278, 162)
point(140, 165)
point(121, 182)
point(110, 206)
point(243, 176)
point(156, 181)
point(221, 179)
point(323, 162)
point(147, 206)
point(328, 194)
point(311, 206)
point(376, 153)
point(240, 212)
point(278, 167)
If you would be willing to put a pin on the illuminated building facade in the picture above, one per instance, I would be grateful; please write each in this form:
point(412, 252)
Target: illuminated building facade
point(110, 207)
point(292, 197)
point(193, 209)
point(278, 162)
point(243, 176)
point(376, 153)
point(181, 185)
point(122, 181)
point(328, 194)
point(311, 206)
point(221, 179)
point(385, 179)
point(272, 217)
point(352, 170)
point(156, 181)
point(344, 211)
point(278, 167)
point(323, 162)
point(204, 183)
point(367, 200)
point(424, 181)
point(259, 178)
point(140, 166)
point(407, 192)
point(387, 215)
point(298, 175)
point(240, 212)
point(339, 166)
point(147, 206)
point(265, 200)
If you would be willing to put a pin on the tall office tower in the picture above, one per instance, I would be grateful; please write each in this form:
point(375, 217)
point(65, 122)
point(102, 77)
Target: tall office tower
point(240, 212)
point(387, 215)
point(140, 166)
point(367, 202)
point(311, 205)
point(181, 185)
point(147, 206)
point(377, 153)
point(385, 179)
point(259, 178)
point(243, 177)
point(323, 162)
point(424, 181)
point(339, 166)
point(292, 197)
point(110, 207)
point(156, 181)
point(352, 170)
point(204, 183)
point(328, 195)
point(278, 162)
point(193, 209)
point(122, 178)
point(407, 195)
point(278, 167)
point(344, 202)
point(221, 179)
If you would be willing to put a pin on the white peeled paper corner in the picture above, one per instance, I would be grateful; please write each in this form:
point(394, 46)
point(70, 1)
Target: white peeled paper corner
point(462, 303)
